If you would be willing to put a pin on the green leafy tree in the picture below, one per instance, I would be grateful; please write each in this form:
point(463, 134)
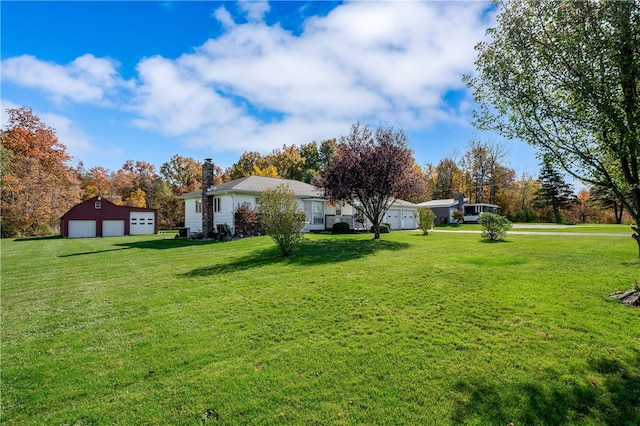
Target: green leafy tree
point(426, 218)
point(282, 218)
point(447, 176)
point(564, 76)
point(182, 173)
point(458, 216)
point(494, 226)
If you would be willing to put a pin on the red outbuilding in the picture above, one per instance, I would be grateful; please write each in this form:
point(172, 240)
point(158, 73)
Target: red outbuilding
point(99, 217)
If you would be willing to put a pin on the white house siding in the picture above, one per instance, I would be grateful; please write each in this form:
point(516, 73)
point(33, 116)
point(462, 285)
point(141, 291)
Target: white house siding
point(225, 215)
point(192, 219)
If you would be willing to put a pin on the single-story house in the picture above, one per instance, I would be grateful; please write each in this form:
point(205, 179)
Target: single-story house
point(443, 209)
point(99, 217)
point(222, 200)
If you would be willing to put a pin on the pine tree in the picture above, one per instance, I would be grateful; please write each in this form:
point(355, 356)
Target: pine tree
point(554, 192)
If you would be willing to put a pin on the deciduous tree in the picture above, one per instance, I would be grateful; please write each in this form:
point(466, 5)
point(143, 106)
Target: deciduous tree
point(37, 184)
point(182, 173)
point(426, 218)
point(371, 170)
point(282, 218)
point(564, 76)
point(494, 226)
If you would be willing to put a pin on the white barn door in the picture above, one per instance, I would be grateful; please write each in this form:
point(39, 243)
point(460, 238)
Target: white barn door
point(141, 223)
point(112, 228)
point(82, 228)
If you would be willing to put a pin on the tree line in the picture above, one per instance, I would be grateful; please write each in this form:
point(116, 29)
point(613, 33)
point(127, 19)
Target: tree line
point(38, 185)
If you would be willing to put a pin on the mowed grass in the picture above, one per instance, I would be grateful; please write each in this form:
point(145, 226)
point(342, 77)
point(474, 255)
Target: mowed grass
point(439, 329)
point(548, 227)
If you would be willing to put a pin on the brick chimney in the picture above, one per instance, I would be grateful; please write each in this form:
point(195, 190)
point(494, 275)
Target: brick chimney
point(207, 200)
point(459, 197)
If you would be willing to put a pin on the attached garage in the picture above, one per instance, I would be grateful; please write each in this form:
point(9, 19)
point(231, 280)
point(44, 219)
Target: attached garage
point(82, 228)
point(98, 217)
point(393, 218)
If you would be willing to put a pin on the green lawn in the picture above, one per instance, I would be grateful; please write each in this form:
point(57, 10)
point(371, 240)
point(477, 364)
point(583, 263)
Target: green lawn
point(443, 329)
point(548, 227)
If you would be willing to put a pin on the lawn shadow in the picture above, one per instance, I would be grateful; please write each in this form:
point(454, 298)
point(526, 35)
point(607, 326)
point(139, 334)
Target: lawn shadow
point(615, 401)
point(310, 252)
point(49, 237)
point(500, 241)
point(156, 244)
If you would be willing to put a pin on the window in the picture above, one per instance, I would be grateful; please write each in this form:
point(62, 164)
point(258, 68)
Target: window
point(314, 212)
point(338, 209)
point(198, 206)
point(217, 204)
point(98, 205)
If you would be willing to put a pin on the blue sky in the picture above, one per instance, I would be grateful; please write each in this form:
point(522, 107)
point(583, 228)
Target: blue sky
point(146, 80)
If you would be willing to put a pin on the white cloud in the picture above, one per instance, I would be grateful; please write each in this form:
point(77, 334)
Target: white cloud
point(76, 141)
point(254, 9)
point(389, 62)
point(258, 86)
point(224, 17)
point(86, 80)
point(73, 137)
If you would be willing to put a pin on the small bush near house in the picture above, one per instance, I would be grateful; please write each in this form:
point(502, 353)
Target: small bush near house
point(247, 220)
point(426, 218)
point(494, 226)
point(385, 228)
point(282, 218)
point(341, 228)
point(458, 216)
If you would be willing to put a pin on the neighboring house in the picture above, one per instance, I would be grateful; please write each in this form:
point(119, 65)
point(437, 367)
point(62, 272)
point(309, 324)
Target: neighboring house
point(222, 201)
point(99, 217)
point(443, 209)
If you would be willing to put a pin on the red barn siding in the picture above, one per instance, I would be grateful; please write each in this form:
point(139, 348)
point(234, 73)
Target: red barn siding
point(108, 211)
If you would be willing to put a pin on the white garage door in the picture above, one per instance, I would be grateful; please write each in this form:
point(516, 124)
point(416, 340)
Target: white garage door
point(141, 223)
point(408, 219)
point(82, 228)
point(112, 228)
point(393, 218)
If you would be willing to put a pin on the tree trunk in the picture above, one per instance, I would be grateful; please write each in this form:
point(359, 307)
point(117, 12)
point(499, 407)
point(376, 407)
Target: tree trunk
point(376, 229)
point(636, 236)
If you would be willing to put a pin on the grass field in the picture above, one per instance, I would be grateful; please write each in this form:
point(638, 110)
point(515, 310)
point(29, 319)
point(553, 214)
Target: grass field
point(443, 329)
point(548, 227)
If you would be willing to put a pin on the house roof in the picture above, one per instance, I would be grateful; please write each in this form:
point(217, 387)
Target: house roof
point(257, 185)
point(449, 202)
point(402, 203)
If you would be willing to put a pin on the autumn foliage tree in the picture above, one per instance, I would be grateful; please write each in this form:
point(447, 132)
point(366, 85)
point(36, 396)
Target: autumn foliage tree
point(37, 184)
point(370, 170)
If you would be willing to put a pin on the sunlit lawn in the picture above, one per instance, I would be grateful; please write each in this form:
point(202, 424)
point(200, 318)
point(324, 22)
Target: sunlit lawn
point(548, 227)
point(442, 329)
